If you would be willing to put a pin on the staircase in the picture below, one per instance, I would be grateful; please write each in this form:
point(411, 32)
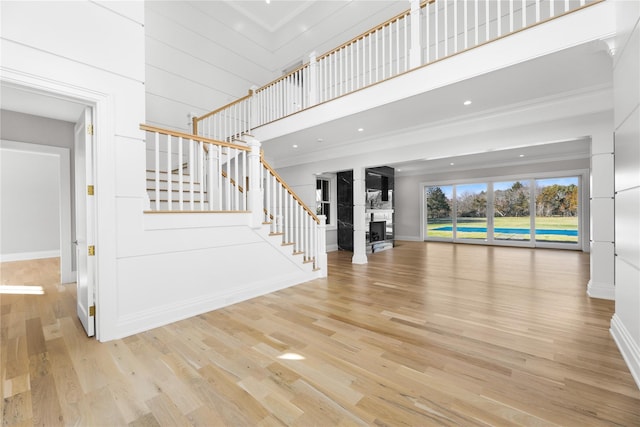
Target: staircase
point(188, 174)
point(188, 185)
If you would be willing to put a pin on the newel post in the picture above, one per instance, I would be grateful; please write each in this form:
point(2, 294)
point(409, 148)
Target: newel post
point(254, 192)
point(321, 251)
point(313, 79)
point(415, 52)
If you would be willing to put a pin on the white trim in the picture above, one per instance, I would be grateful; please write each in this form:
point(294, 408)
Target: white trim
point(409, 238)
point(67, 275)
point(601, 290)
point(24, 256)
point(628, 348)
point(332, 248)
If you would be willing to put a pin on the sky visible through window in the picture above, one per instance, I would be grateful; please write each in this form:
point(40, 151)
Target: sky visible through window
point(477, 188)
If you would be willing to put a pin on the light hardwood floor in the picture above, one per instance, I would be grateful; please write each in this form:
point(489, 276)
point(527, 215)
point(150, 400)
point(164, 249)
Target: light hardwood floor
point(425, 334)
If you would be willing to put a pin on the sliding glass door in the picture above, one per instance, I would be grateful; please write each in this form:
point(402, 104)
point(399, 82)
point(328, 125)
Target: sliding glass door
point(471, 211)
point(522, 212)
point(438, 208)
point(511, 218)
point(557, 210)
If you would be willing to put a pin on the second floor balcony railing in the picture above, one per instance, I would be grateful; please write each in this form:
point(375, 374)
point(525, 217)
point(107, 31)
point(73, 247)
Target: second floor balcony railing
point(426, 33)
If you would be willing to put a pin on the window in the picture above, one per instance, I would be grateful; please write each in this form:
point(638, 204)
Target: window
point(524, 212)
point(323, 198)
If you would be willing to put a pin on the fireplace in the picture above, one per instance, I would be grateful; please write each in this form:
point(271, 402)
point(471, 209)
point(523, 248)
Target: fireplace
point(377, 231)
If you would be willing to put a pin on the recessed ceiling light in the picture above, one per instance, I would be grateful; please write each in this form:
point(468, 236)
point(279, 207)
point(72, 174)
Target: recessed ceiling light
point(320, 139)
point(360, 129)
point(521, 155)
point(295, 145)
point(467, 102)
point(399, 170)
point(451, 164)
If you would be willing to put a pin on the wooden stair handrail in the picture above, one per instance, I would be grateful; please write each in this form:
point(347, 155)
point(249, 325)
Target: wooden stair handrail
point(195, 120)
point(193, 137)
point(289, 190)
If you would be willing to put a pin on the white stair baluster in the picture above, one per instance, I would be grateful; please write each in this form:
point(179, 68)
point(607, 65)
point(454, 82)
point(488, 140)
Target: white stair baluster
point(245, 181)
point(210, 167)
point(191, 176)
point(436, 37)
point(466, 26)
point(219, 177)
point(511, 16)
point(157, 170)
point(180, 174)
point(236, 205)
point(455, 27)
point(272, 211)
point(446, 28)
point(285, 216)
point(499, 13)
point(486, 21)
point(201, 170)
point(476, 13)
point(227, 186)
point(170, 173)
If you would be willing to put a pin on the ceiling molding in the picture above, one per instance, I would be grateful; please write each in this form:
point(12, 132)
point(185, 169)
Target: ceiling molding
point(262, 13)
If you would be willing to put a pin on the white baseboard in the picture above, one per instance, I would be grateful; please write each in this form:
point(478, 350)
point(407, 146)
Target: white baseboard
point(332, 248)
point(409, 238)
point(627, 346)
point(23, 256)
point(601, 290)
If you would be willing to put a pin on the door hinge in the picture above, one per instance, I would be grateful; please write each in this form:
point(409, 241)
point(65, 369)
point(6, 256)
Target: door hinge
point(92, 250)
point(90, 129)
point(92, 311)
point(90, 190)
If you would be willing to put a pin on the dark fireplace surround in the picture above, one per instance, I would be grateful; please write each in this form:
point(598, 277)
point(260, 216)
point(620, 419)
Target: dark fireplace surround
point(377, 231)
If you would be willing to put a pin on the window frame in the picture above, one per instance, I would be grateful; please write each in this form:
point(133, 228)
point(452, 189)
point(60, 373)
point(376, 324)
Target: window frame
point(583, 209)
point(332, 202)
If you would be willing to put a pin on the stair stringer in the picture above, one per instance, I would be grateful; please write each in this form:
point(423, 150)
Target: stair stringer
point(177, 265)
point(287, 250)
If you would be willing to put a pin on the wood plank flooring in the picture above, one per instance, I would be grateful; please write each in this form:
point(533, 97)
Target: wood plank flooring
point(425, 334)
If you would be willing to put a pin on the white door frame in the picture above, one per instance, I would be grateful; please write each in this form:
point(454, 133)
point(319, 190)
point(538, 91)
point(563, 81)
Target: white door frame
point(103, 113)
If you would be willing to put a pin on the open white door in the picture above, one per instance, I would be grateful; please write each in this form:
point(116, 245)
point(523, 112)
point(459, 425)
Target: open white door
point(85, 221)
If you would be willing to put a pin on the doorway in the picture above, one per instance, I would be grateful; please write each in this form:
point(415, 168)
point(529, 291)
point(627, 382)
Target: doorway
point(59, 107)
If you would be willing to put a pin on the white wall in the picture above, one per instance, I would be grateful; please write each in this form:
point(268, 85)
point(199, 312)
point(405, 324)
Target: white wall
point(203, 55)
point(32, 129)
point(30, 206)
point(93, 53)
point(625, 325)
